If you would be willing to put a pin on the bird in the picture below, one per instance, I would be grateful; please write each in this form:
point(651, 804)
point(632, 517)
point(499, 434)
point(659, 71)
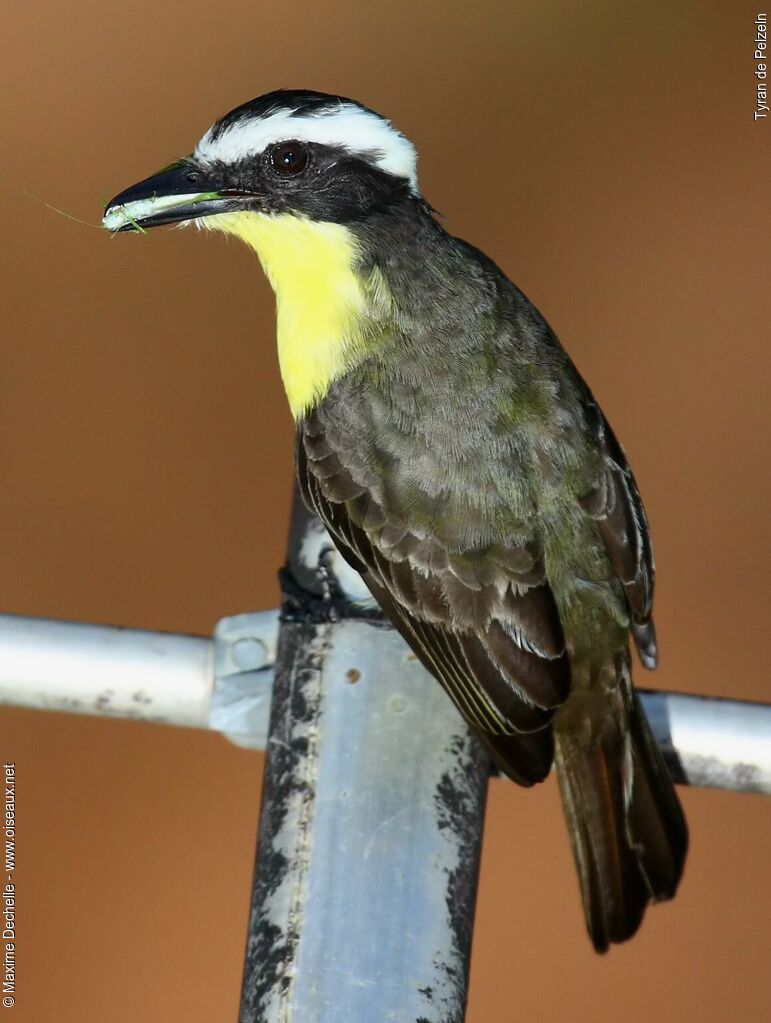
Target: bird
point(459, 462)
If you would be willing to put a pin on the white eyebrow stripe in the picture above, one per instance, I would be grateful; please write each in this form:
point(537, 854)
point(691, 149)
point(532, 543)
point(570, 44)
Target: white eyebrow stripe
point(346, 125)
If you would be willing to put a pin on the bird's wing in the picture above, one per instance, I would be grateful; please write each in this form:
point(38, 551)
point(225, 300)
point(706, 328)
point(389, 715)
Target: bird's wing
point(485, 622)
point(615, 504)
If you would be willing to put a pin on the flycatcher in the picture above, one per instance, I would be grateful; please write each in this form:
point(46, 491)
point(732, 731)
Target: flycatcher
point(459, 462)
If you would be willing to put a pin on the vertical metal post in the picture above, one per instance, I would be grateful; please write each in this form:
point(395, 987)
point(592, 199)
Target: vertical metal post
point(371, 825)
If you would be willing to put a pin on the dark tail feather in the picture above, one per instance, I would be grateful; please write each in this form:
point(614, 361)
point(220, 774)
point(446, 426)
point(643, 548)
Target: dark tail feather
point(657, 827)
point(626, 825)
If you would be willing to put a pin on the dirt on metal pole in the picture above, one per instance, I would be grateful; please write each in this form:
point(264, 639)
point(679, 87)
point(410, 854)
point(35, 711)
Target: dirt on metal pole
point(371, 822)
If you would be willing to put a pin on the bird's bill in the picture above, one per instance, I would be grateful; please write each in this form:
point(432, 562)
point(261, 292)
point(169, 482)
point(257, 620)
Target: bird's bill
point(169, 197)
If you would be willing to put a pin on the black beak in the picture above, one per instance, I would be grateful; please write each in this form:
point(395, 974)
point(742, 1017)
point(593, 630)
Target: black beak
point(177, 193)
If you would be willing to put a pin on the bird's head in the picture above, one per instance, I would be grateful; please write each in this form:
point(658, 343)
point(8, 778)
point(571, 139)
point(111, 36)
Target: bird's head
point(319, 157)
point(301, 178)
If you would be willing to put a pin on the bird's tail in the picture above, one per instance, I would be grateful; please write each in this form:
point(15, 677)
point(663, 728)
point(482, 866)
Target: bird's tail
point(626, 824)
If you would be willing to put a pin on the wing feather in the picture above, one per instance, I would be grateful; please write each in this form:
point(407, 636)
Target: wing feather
point(484, 622)
point(615, 504)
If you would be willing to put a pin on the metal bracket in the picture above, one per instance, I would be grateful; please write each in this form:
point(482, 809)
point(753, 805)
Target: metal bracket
point(244, 656)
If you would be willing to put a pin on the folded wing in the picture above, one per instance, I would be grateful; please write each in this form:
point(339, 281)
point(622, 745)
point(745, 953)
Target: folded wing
point(483, 621)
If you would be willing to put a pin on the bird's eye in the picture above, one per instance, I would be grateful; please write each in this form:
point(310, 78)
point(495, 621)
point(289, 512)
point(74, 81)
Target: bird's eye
point(192, 177)
point(289, 158)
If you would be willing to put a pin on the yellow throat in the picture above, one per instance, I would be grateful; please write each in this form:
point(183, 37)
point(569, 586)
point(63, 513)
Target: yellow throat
point(322, 304)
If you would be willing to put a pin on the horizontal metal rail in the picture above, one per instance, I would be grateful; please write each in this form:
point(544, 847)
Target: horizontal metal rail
point(225, 683)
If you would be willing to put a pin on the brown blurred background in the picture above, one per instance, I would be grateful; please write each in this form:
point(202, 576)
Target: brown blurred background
point(606, 156)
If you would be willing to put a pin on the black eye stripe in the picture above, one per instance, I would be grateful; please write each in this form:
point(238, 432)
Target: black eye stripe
point(289, 158)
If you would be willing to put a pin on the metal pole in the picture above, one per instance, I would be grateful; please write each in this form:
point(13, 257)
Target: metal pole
point(99, 669)
point(371, 824)
point(373, 804)
point(722, 744)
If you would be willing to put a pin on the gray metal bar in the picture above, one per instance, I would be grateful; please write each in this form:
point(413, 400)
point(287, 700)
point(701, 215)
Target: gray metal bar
point(183, 680)
point(370, 830)
point(145, 676)
point(714, 743)
point(99, 669)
